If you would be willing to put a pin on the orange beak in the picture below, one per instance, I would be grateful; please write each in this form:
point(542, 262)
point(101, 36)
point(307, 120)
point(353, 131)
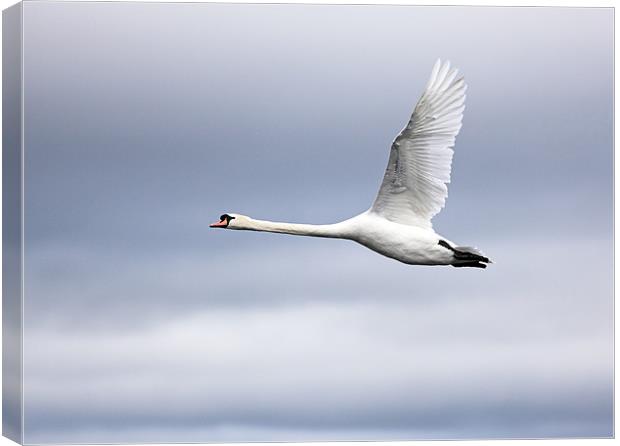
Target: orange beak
point(219, 224)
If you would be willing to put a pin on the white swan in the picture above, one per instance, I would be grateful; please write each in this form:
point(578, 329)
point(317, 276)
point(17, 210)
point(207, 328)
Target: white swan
point(398, 225)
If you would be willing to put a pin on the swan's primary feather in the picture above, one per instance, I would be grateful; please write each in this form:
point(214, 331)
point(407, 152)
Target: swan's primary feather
point(414, 186)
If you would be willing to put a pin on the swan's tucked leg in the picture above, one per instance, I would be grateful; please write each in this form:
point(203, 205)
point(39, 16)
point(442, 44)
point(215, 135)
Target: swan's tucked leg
point(469, 264)
point(466, 256)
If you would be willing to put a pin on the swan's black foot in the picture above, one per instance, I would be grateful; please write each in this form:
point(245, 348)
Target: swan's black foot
point(465, 256)
point(469, 264)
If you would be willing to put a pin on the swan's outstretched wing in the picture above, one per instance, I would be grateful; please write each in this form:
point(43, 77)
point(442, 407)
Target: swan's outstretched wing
point(414, 186)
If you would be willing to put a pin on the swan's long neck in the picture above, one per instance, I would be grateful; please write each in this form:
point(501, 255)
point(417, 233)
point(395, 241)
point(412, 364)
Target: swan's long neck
point(336, 230)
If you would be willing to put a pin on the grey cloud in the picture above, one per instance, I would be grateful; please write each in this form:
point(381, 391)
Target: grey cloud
point(131, 290)
point(408, 358)
point(322, 366)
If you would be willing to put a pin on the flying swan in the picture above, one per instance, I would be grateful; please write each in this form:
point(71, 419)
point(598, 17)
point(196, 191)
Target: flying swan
point(398, 225)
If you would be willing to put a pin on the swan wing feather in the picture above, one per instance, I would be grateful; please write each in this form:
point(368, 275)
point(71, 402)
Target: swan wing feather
point(414, 187)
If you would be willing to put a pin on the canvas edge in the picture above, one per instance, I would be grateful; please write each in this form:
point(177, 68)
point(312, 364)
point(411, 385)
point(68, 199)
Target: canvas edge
point(12, 223)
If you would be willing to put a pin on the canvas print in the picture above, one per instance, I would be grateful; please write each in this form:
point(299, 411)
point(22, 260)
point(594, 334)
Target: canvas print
point(286, 222)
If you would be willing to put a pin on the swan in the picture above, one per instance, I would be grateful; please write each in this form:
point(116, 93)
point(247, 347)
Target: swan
point(398, 224)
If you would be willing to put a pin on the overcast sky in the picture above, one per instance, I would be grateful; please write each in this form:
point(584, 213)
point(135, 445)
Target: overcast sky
point(145, 122)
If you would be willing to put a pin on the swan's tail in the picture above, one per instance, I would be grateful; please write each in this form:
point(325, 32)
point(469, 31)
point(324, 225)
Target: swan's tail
point(466, 256)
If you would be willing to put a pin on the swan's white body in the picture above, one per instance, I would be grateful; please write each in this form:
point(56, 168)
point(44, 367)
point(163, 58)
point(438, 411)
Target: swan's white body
point(408, 244)
point(398, 225)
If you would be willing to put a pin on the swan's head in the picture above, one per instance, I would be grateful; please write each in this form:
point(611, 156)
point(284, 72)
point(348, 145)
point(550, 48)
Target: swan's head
point(230, 221)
